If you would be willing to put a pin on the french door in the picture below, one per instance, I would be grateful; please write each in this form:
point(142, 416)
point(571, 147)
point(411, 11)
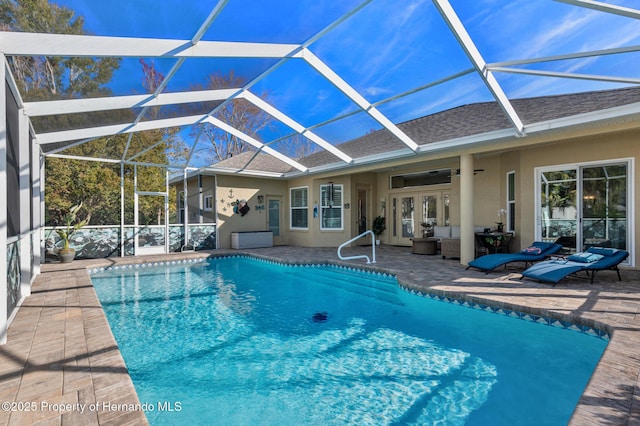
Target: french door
point(585, 205)
point(402, 219)
point(274, 218)
point(412, 215)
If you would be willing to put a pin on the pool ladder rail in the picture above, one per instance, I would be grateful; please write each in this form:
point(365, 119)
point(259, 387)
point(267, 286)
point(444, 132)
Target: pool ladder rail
point(361, 256)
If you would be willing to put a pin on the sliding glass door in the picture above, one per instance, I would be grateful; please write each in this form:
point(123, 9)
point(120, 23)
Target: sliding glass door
point(604, 206)
point(558, 207)
point(584, 205)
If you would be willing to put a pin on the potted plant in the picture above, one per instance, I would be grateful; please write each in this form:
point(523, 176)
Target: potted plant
point(501, 216)
point(71, 225)
point(378, 227)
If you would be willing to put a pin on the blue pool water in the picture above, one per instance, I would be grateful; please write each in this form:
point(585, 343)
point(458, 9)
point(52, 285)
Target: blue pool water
point(233, 341)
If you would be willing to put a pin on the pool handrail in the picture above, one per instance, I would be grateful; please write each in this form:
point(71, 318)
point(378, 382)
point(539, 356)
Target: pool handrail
point(361, 256)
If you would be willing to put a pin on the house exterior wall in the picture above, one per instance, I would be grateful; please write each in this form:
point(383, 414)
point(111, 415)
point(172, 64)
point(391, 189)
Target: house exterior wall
point(613, 146)
point(490, 191)
point(208, 190)
point(234, 188)
point(313, 236)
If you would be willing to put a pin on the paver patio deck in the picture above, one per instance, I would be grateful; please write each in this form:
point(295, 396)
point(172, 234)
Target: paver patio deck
point(61, 356)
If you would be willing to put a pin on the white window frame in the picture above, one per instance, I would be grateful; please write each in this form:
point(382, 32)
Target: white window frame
point(631, 226)
point(511, 227)
point(181, 204)
point(208, 203)
point(292, 208)
point(337, 205)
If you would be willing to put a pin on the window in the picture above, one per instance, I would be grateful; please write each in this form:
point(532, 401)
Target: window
point(208, 202)
point(331, 206)
point(430, 177)
point(299, 208)
point(511, 201)
point(181, 206)
point(586, 204)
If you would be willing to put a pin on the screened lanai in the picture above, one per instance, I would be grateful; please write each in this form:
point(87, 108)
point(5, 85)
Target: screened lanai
point(148, 86)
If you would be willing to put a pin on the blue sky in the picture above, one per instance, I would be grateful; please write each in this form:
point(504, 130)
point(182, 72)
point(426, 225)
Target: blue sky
point(389, 47)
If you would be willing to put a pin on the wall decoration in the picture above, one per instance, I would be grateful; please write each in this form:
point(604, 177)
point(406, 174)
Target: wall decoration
point(241, 207)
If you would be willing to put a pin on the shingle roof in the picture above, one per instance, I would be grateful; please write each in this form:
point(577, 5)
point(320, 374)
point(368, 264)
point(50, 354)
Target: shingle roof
point(466, 120)
point(262, 162)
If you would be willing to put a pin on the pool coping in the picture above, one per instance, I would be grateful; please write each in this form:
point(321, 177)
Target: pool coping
point(610, 396)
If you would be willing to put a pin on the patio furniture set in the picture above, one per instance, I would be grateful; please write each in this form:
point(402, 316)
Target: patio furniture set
point(446, 240)
point(543, 261)
point(550, 266)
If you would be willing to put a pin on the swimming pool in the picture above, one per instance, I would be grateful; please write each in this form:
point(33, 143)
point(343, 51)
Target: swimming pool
point(238, 341)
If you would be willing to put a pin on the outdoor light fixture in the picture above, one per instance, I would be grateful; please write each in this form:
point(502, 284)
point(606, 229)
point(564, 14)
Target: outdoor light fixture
point(475, 171)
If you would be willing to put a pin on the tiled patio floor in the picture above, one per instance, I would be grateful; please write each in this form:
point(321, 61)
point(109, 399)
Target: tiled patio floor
point(61, 364)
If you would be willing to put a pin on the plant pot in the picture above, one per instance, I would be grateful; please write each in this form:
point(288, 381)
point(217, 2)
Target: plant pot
point(66, 255)
point(377, 242)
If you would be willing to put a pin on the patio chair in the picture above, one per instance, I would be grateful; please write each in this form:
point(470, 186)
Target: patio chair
point(591, 261)
point(535, 253)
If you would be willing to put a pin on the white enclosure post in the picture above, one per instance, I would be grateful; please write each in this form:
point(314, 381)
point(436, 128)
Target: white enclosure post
point(467, 239)
point(135, 210)
point(123, 237)
point(166, 211)
point(3, 203)
point(185, 206)
point(24, 159)
point(37, 203)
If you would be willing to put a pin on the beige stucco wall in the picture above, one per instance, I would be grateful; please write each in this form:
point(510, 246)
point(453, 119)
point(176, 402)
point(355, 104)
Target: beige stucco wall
point(589, 149)
point(313, 236)
point(233, 188)
point(490, 186)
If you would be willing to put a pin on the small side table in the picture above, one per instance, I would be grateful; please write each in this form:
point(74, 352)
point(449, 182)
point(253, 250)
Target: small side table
point(425, 246)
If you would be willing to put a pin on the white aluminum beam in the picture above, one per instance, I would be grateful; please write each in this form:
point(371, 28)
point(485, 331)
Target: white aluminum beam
point(353, 94)
point(294, 53)
point(577, 55)
point(42, 44)
point(573, 76)
point(467, 44)
point(605, 7)
point(257, 144)
point(223, 170)
point(73, 106)
point(279, 115)
point(83, 158)
point(176, 66)
point(96, 132)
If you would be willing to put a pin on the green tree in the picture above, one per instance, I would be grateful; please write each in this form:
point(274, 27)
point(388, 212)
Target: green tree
point(46, 78)
point(40, 78)
point(69, 182)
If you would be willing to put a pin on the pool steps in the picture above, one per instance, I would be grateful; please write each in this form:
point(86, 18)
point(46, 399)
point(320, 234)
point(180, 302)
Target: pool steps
point(552, 322)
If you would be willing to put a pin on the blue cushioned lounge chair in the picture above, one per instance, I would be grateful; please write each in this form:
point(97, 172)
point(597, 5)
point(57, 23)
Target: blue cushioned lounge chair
point(555, 270)
point(535, 253)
